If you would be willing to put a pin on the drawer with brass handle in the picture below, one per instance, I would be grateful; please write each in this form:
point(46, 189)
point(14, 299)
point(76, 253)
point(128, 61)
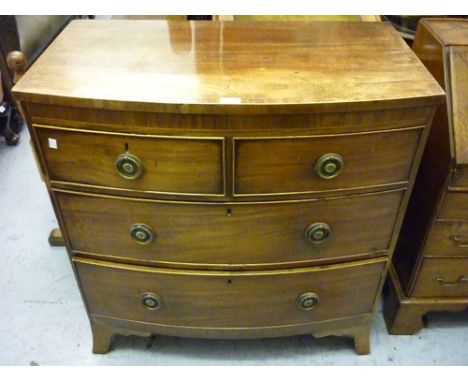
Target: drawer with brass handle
point(133, 162)
point(442, 278)
point(447, 238)
point(460, 177)
point(203, 299)
point(194, 234)
point(277, 165)
point(452, 207)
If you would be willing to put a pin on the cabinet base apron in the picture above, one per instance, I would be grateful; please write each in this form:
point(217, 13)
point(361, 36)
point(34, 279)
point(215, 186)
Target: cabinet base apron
point(404, 315)
point(358, 327)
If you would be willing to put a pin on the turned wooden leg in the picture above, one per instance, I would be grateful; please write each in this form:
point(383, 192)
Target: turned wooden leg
point(102, 338)
point(362, 340)
point(56, 238)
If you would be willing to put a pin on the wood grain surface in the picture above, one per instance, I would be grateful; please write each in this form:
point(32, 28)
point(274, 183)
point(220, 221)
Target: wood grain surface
point(229, 299)
point(450, 272)
point(447, 239)
point(430, 261)
point(233, 235)
point(449, 31)
point(207, 66)
point(268, 166)
point(458, 57)
point(170, 164)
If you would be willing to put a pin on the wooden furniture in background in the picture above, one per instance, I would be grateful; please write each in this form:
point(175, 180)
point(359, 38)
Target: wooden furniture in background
point(334, 18)
point(22, 39)
point(430, 265)
point(229, 180)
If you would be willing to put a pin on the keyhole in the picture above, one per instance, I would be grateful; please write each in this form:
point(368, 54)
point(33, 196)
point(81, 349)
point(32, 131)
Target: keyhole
point(228, 212)
point(126, 146)
point(229, 281)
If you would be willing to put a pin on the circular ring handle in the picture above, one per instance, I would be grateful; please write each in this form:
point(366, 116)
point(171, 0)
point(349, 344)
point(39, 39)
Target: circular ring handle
point(308, 301)
point(129, 166)
point(141, 233)
point(328, 166)
point(317, 233)
point(151, 301)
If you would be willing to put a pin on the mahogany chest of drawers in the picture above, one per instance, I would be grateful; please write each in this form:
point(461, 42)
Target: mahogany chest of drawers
point(430, 266)
point(229, 179)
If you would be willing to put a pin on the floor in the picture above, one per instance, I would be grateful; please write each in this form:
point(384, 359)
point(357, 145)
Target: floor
point(43, 321)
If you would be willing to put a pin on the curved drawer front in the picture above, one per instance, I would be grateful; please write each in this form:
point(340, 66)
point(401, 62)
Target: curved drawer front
point(234, 234)
point(442, 278)
point(229, 299)
point(277, 165)
point(168, 165)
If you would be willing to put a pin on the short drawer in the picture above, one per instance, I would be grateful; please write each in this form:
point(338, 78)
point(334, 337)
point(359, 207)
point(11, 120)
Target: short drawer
point(229, 299)
point(460, 177)
point(137, 162)
point(447, 238)
point(229, 234)
point(442, 278)
point(454, 206)
point(323, 163)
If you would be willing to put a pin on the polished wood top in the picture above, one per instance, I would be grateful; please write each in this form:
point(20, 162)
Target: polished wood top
point(449, 31)
point(232, 67)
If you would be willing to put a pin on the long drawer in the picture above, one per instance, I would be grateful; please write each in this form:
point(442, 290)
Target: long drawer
point(229, 299)
point(311, 164)
point(145, 163)
point(442, 278)
point(229, 234)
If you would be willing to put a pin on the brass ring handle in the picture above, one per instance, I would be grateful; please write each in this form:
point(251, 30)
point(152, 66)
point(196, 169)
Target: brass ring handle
point(141, 233)
point(461, 279)
point(458, 241)
point(318, 233)
point(328, 166)
point(307, 301)
point(129, 166)
point(151, 301)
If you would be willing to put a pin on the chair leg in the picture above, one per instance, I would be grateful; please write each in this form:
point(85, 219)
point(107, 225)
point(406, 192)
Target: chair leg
point(11, 138)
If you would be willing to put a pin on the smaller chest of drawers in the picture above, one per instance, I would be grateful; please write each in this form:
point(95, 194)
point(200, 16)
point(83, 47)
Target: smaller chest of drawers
point(229, 180)
point(430, 264)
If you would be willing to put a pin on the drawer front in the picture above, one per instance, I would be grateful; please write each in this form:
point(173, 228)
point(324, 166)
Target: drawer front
point(460, 177)
point(447, 239)
point(230, 234)
point(276, 166)
point(442, 278)
point(169, 165)
point(454, 206)
point(229, 299)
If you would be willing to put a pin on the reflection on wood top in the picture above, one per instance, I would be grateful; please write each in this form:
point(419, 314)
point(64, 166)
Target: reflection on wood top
point(207, 66)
